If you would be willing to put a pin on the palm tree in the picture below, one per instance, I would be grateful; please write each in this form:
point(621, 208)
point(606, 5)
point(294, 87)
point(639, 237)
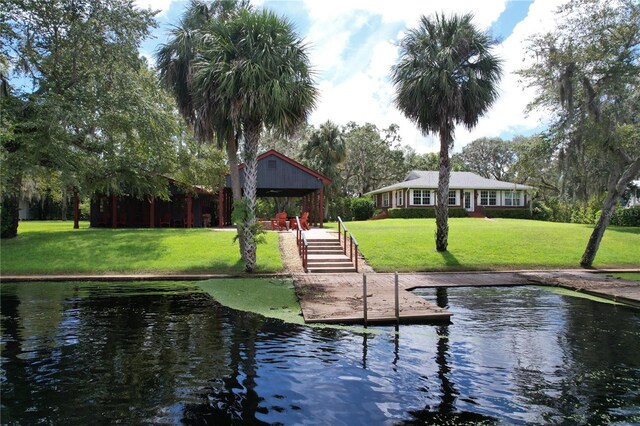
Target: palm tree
point(324, 151)
point(446, 76)
point(255, 65)
point(176, 66)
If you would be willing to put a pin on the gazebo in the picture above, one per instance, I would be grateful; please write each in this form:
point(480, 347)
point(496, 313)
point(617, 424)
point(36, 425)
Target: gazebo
point(278, 176)
point(281, 176)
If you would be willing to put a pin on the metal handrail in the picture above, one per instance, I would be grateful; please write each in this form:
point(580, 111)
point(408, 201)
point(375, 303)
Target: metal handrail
point(352, 242)
point(303, 245)
point(305, 252)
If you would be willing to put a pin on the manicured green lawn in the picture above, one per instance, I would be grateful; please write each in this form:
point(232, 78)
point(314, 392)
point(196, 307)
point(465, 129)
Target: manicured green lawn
point(56, 248)
point(481, 244)
point(632, 276)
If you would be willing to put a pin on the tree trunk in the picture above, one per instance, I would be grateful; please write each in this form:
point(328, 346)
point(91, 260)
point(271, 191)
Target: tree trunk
point(10, 209)
point(442, 203)
point(252, 134)
point(236, 189)
point(617, 186)
point(63, 210)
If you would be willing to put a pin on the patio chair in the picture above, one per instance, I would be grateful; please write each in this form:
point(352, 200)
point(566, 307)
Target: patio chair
point(282, 221)
point(103, 219)
point(206, 220)
point(304, 221)
point(165, 220)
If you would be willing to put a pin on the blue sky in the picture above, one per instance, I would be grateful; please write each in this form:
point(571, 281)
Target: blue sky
point(353, 43)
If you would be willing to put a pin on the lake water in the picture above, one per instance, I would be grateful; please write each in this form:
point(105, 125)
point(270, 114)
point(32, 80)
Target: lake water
point(167, 353)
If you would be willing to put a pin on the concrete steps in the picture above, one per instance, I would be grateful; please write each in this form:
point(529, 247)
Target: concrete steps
point(326, 255)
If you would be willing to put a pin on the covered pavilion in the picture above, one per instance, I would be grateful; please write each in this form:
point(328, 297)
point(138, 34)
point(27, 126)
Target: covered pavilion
point(278, 176)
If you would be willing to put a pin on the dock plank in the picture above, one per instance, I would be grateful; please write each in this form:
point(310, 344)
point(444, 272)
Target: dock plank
point(338, 298)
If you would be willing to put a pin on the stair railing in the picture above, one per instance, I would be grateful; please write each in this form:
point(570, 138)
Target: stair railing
point(353, 243)
point(303, 245)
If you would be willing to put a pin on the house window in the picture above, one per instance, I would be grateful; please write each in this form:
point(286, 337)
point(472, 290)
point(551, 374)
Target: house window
point(400, 198)
point(421, 197)
point(493, 198)
point(385, 199)
point(488, 198)
point(512, 198)
point(452, 197)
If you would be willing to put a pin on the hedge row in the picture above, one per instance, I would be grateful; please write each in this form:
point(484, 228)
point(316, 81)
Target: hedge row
point(508, 213)
point(424, 212)
point(626, 217)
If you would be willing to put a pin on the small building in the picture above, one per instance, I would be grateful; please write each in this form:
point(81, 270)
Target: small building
point(466, 190)
point(278, 176)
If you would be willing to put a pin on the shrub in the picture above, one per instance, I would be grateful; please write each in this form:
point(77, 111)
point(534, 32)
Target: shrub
point(626, 217)
point(540, 211)
point(508, 213)
point(340, 206)
point(424, 213)
point(361, 208)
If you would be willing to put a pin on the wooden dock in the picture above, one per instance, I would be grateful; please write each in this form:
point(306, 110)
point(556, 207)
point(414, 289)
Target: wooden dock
point(338, 298)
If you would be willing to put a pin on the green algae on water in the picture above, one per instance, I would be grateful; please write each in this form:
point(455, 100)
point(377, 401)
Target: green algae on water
point(271, 298)
point(566, 292)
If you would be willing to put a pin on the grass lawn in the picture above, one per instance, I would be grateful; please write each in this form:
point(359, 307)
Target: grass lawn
point(56, 248)
point(632, 276)
point(478, 244)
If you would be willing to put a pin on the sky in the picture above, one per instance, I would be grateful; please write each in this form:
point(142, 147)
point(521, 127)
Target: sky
point(352, 45)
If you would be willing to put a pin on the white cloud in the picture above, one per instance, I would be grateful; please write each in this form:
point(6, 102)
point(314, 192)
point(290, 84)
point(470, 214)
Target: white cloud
point(486, 12)
point(162, 5)
point(354, 68)
point(352, 46)
point(508, 113)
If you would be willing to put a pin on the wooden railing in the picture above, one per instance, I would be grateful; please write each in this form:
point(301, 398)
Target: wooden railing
point(353, 244)
point(303, 245)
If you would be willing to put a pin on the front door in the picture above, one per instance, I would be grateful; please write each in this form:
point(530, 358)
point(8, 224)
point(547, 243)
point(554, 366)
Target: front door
point(468, 201)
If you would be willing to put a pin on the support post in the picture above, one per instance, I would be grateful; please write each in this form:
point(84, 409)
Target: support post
point(322, 206)
point(350, 248)
point(220, 207)
point(152, 212)
point(397, 293)
point(316, 204)
point(76, 210)
point(114, 211)
point(189, 222)
point(356, 259)
point(364, 298)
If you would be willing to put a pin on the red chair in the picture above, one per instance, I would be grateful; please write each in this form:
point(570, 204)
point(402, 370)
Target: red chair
point(282, 221)
point(103, 219)
point(304, 221)
point(165, 219)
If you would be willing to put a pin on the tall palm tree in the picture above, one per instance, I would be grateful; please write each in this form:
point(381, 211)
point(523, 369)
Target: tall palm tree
point(257, 67)
point(446, 75)
point(176, 65)
point(324, 151)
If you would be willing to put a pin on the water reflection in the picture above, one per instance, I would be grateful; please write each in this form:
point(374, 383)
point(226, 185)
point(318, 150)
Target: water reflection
point(166, 353)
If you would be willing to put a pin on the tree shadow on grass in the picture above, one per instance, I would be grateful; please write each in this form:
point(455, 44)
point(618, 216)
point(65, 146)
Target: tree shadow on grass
point(449, 259)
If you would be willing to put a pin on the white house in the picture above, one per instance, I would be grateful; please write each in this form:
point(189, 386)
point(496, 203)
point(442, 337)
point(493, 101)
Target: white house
point(634, 196)
point(466, 190)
